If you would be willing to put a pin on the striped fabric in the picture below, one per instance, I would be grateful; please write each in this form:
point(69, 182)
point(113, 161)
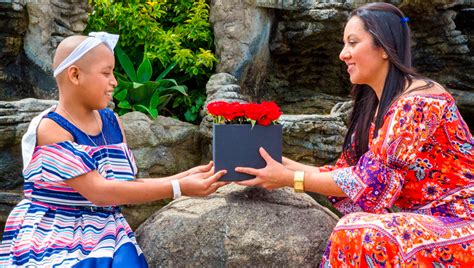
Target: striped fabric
point(46, 230)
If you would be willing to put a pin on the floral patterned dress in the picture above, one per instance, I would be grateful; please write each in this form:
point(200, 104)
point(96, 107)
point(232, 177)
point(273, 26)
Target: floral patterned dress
point(421, 162)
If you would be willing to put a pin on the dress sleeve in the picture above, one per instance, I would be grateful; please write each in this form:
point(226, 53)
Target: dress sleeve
point(60, 161)
point(375, 182)
point(340, 163)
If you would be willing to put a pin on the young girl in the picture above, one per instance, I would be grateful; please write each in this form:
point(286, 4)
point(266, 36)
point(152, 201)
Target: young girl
point(407, 145)
point(78, 169)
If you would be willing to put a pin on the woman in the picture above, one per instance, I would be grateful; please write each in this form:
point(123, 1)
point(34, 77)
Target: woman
point(407, 146)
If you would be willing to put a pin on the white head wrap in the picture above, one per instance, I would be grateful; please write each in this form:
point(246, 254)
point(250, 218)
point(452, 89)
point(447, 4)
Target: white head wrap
point(28, 142)
point(94, 39)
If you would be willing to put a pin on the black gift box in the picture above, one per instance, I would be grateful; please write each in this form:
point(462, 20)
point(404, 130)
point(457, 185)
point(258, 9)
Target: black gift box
point(237, 146)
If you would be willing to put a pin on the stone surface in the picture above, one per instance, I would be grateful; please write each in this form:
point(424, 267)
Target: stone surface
point(236, 227)
point(242, 34)
point(162, 147)
point(14, 120)
point(315, 139)
point(31, 30)
point(220, 87)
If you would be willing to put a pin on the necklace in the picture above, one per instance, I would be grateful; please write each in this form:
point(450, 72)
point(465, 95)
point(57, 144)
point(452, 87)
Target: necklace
point(97, 122)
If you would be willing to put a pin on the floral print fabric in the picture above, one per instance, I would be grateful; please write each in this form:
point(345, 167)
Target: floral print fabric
point(421, 161)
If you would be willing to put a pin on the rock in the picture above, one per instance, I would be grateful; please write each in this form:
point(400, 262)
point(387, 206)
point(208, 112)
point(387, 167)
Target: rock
point(313, 139)
point(15, 117)
point(238, 226)
point(162, 147)
point(220, 87)
point(242, 32)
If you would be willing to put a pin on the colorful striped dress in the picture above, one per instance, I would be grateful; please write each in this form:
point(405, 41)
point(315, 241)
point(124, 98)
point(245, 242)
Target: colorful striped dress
point(54, 225)
point(421, 162)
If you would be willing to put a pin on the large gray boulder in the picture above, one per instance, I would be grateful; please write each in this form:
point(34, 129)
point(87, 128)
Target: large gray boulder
point(238, 226)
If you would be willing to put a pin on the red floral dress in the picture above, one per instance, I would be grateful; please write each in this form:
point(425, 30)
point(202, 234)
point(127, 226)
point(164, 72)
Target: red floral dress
point(421, 162)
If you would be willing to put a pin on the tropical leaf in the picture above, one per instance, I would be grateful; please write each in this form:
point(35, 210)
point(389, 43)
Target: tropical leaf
point(164, 101)
point(124, 105)
point(144, 71)
point(120, 94)
point(166, 71)
point(126, 64)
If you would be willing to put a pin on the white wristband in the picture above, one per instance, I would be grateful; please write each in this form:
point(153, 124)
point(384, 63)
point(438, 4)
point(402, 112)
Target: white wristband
point(176, 189)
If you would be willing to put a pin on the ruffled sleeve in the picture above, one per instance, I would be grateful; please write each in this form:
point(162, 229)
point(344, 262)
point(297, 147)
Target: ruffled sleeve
point(375, 182)
point(60, 161)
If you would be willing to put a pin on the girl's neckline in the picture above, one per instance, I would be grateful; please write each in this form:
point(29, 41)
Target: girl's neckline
point(83, 132)
point(77, 144)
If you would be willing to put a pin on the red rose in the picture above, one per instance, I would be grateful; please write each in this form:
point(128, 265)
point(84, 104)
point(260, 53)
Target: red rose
point(272, 111)
point(253, 111)
point(217, 108)
point(233, 111)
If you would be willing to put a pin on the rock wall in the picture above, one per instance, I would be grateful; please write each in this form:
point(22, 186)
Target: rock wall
point(13, 22)
point(31, 30)
point(444, 47)
point(242, 45)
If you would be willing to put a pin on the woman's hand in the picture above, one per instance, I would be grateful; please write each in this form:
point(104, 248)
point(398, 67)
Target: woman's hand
point(287, 162)
point(202, 183)
point(273, 175)
point(200, 169)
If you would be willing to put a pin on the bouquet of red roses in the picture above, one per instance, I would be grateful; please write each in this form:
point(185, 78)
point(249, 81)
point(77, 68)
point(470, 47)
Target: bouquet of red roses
point(263, 113)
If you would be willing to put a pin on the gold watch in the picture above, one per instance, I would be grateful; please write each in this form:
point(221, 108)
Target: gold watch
point(298, 179)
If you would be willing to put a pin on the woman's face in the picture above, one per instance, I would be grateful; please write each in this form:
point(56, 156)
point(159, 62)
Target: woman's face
point(366, 63)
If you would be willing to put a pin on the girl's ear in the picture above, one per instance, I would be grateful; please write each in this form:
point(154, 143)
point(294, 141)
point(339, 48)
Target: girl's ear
point(73, 74)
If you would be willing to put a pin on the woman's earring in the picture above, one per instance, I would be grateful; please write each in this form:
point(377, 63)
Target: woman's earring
point(384, 56)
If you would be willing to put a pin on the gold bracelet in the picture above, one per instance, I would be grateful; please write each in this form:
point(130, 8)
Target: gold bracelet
point(298, 180)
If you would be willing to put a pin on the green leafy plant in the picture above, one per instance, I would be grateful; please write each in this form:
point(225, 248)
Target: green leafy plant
point(136, 92)
point(193, 103)
point(172, 32)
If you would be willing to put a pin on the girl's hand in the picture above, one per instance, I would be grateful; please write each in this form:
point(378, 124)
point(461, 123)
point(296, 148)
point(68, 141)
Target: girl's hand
point(202, 183)
point(273, 175)
point(200, 169)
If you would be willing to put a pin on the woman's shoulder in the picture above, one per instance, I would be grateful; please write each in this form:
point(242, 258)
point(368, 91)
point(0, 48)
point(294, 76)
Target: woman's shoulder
point(425, 88)
point(423, 97)
point(429, 91)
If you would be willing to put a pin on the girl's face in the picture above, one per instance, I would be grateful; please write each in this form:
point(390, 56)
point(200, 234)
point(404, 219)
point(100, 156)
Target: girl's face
point(97, 77)
point(366, 63)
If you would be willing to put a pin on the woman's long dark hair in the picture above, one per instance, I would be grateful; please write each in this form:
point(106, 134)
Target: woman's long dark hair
point(390, 31)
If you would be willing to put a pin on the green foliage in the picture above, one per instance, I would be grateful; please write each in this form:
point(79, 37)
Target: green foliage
point(170, 32)
point(193, 102)
point(136, 92)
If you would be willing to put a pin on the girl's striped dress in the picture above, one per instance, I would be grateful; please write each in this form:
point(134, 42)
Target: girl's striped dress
point(55, 226)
